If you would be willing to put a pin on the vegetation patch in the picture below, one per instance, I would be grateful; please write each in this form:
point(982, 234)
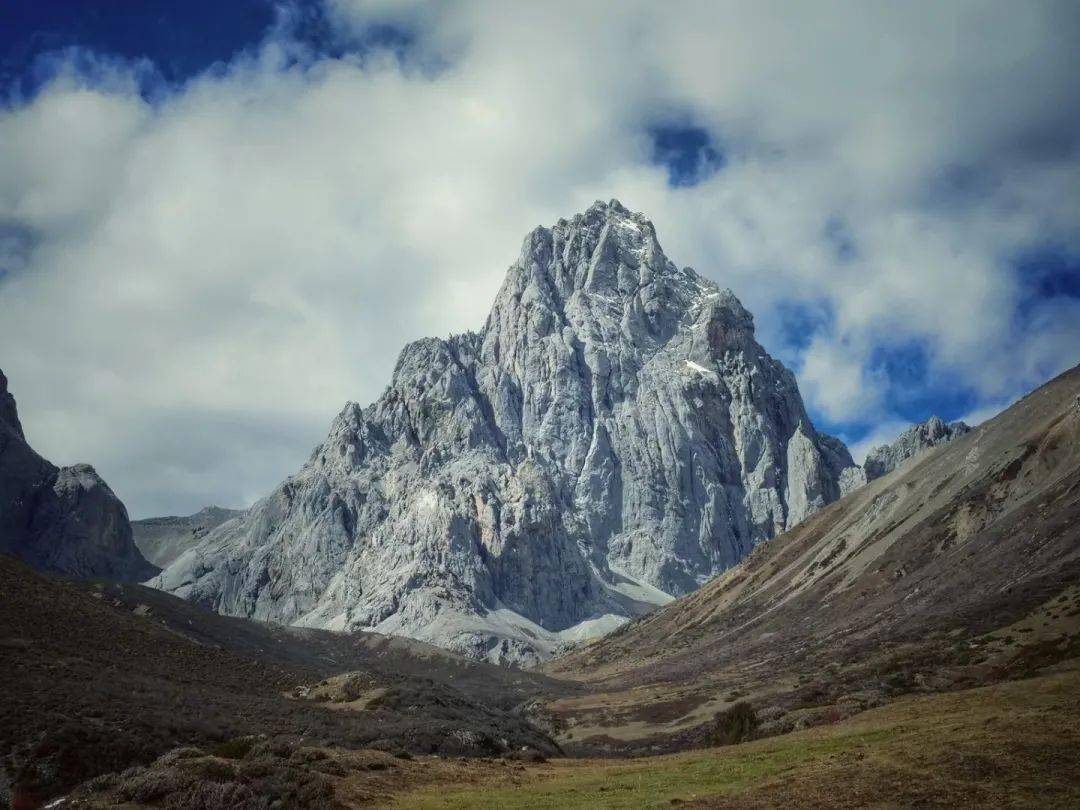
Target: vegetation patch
point(735, 724)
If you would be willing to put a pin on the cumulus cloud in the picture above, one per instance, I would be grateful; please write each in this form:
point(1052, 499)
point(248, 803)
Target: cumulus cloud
point(196, 278)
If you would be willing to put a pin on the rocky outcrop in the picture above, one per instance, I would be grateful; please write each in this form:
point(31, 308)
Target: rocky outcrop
point(9, 414)
point(886, 458)
point(613, 436)
point(162, 539)
point(61, 520)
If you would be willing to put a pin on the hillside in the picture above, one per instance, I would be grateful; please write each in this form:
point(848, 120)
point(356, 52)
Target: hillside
point(1007, 745)
point(961, 567)
point(97, 677)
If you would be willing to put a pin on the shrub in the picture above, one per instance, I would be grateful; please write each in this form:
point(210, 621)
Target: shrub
point(236, 748)
point(735, 725)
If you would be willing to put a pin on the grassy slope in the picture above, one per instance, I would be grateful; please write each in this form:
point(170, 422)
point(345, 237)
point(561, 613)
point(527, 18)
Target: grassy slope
point(1014, 744)
point(940, 576)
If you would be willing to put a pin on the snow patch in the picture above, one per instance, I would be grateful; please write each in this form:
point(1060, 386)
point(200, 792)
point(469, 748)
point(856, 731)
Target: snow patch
point(708, 372)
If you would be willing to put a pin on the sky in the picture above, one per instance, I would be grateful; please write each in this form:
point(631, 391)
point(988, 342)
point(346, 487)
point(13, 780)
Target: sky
point(221, 221)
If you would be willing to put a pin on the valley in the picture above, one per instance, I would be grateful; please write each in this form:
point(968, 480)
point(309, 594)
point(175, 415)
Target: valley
point(500, 585)
point(419, 405)
point(1010, 745)
point(918, 639)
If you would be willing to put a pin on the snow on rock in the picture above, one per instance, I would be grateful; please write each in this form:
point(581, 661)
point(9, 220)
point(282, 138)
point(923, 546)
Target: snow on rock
point(545, 477)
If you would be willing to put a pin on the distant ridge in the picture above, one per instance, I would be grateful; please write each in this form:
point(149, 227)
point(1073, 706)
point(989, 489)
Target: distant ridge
point(163, 539)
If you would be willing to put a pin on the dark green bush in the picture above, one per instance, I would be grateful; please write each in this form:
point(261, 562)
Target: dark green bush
point(735, 724)
point(236, 748)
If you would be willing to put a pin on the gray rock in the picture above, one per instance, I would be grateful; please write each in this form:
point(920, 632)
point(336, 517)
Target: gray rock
point(61, 520)
point(851, 478)
point(612, 437)
point(886, 458)
point(162, 539)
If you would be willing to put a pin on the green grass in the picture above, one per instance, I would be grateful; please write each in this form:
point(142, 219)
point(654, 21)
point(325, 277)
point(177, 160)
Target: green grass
point(650, 783)
point(1013, 744)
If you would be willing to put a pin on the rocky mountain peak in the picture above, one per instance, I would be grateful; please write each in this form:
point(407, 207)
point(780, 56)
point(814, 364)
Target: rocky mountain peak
point(934, 431)
point(63, 520)
point(607, 255)
point(613, 436)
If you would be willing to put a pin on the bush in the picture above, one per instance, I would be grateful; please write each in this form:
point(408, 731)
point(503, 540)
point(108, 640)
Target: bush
point(734, 725)
point(236, 748)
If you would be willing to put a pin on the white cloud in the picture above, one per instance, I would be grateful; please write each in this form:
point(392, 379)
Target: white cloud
point(197, 284)
point(833, 377)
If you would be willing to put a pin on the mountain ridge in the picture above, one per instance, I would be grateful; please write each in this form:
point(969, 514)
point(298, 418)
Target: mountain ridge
point(162, 539)
point(885, 458)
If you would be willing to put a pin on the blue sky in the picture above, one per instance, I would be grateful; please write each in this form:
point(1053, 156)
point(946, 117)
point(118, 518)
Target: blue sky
point(180, 39)
point(219, 221)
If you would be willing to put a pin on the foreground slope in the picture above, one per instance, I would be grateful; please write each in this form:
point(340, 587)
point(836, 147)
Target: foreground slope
point(63, 520)
point(1007, 745)
point(961, 567)
point(614, 435)
point(96, 677)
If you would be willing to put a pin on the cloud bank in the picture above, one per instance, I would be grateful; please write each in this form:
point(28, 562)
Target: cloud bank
point(195, 277)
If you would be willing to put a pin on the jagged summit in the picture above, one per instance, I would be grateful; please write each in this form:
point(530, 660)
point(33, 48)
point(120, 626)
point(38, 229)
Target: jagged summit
point(934, 431)
point(612, 436)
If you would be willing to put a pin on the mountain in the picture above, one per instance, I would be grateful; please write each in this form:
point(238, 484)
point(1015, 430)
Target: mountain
point(887, 457)
point(162, 539)
point(63, 520)
point(960, 568)
point(612, 437)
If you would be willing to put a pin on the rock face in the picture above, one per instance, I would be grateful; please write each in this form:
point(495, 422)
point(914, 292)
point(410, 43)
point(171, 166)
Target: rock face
point(886, 458)
point(613, 436)
point(162, 539)
point(61, 520)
